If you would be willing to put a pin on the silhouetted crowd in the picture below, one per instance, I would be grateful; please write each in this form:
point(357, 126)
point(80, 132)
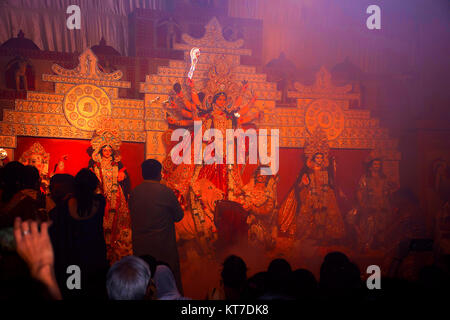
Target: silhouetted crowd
point(42, 234)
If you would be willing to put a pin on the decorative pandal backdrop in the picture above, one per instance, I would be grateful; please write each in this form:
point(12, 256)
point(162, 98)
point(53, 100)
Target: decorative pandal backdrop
point(321, 105)
point(86, 98)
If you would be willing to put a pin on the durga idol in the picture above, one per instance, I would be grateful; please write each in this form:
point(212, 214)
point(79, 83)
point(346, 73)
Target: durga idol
point(115, 186)
point(311, 211)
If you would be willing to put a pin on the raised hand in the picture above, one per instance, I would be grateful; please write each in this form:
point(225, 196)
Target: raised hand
point(190, 82)
point(35, 248)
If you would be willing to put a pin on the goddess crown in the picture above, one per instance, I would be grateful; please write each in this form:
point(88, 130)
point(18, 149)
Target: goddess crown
point(317, 143)
point(105, 137)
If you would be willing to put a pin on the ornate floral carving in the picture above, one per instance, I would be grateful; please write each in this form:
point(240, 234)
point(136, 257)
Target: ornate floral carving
point(213, 38)
point(8, 141)
point(87, 68)
point(220, 77)
point(322, 84)
point(87, 72)
point(327, 115)
point(81, 101)
point(84, 105)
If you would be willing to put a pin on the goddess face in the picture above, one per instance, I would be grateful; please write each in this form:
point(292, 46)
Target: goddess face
point(376, 166)
point(318, 159)
point(36, 161)
point(107, 152)
point(261, 179)
point(221, 100)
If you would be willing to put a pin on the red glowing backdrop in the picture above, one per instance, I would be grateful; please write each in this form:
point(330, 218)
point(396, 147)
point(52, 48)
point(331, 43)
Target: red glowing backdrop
point(349, 162)
point(349, 168)
point(132, 154)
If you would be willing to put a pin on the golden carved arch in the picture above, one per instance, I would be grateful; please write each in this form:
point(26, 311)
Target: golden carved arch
point(321, 105)
point(83, 98)
point(327, 115)
point(326, 106)
point(213, 37)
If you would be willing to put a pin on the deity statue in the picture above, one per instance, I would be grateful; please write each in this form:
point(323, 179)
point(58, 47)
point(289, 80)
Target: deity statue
point(3, 157)
point(115, 186)
point(20, 72)
point(375, 209)
point(259, 199)
point(37, 156)
point(199, 186)
point(310, 210)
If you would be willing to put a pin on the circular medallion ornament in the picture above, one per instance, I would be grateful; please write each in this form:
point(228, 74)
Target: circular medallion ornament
point(326, 115)
point(83, 104)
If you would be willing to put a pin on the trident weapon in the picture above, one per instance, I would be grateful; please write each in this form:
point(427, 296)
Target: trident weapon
point(195, 53)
